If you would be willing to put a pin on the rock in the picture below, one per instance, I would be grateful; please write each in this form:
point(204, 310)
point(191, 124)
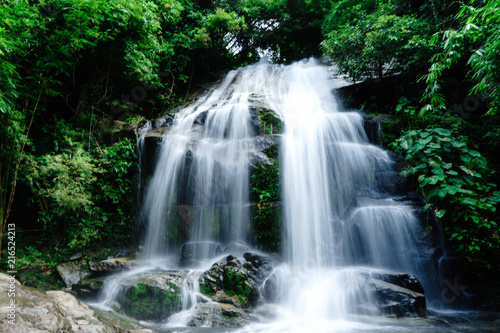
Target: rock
point(88, 288)
point(73, 257)
point(393, 299)
point(71, 273)
point(399, 294)
point(152, 295)
point(200, 120)
point(52, 311)
point(373, 130)
point(408, 281)
point(270, 289)
point(113, 265)
point(234, 283)
point(237, 282)
point(219, 315)
point(211, 281)
point(193, 252)
point(259, 267)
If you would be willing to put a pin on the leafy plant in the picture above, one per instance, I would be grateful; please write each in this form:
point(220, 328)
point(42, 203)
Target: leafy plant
point(455, 181)
point(478, 39)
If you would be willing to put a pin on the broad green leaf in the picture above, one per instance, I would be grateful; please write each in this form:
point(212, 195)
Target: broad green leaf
point(442, 131)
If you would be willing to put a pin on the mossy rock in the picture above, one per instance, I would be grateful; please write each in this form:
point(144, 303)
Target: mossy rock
point(146, 302)
point(211, 280)
point(237, 283)
point(151, 296)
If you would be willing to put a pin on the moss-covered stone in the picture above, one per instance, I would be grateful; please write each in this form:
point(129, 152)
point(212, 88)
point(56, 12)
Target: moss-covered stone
point(147, 302)
point(43, 277)
point(151, 295)
point(211, 280)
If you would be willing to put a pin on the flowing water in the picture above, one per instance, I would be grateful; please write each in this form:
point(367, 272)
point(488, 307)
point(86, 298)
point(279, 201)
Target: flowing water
point(340, 221)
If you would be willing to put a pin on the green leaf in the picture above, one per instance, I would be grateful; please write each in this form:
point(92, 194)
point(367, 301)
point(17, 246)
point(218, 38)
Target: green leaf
point(440, 214)
point(465, 158)
point(442, 131)
point(469, 201)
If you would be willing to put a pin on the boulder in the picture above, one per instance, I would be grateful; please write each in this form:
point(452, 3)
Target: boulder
point(53, 311)
point(237, 284)
point(71, 273)
point(392, 299)
point(151, 296)
point(399, 294)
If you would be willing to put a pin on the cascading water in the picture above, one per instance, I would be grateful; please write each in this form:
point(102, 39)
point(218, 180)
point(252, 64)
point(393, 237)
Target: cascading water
point(339, 227)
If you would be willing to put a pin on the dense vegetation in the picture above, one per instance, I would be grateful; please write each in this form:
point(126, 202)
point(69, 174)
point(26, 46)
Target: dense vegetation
point(78, 76)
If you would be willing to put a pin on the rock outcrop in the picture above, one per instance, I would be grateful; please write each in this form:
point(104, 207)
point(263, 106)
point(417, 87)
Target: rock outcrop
point(29, 310)
point(235, 283)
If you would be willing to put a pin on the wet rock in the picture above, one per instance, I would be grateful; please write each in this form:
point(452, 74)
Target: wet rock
point(237, 281)
point(399, 294)
point(71, 273)
point(52, 311)
point(151, 295)
point(211, 281)
point(165, 121)
point(259, 267)
point(264, 147)
point(113, 265)
point(373, 130)
point(219, 315)
point(237, 284)
point(88, 288)
point(193, 252)
point(404, 280)
point(202, 117)
point(270, 289)
point(396, 300)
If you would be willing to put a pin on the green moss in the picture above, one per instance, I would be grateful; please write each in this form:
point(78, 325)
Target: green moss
point(234, 284)
point(40, 277)
point(270, 123)
point(266, 226)
point(148, 302)
point(207, 289)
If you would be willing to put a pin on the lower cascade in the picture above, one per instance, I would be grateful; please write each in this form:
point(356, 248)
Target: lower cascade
point(354, 251)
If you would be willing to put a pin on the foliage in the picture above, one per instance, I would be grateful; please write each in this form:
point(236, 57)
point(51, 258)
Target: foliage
point(455, 181)
point(371, 39)
point(236, 284)
point(84, 198)
point(478, 39)
point(266, 215)
point(62, 63)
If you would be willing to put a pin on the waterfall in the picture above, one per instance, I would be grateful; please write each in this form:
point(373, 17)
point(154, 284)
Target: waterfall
point(340, 224)
point(204, 162)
